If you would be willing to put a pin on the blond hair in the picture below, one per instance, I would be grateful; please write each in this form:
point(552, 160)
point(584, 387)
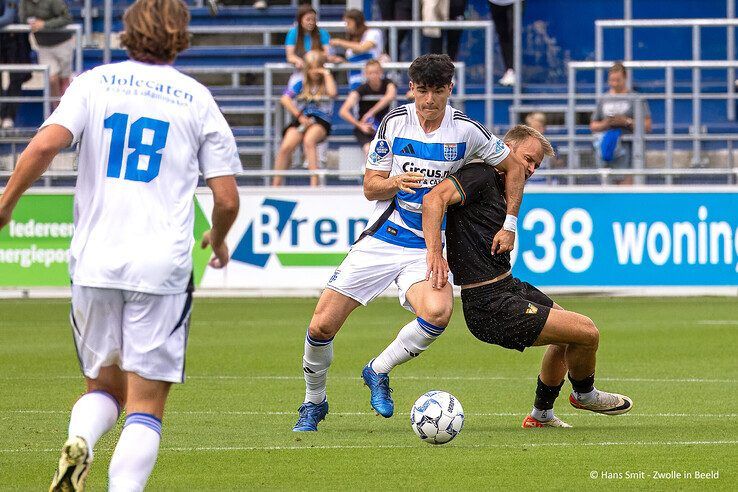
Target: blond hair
point(313, 90)
point(535, 116)
point(520, 133)
point(618, 67)
point(156, 30)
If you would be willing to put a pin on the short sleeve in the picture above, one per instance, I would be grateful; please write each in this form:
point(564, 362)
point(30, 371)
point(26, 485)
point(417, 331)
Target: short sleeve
point(291, 39)
point(218, 155)
point(362, 90)
point(294, 85)
point(471, 180)
point(483, 145)
point(380, 150)
point(72, 111)
point(325, 38)
point(646, 109)
point(375, 36)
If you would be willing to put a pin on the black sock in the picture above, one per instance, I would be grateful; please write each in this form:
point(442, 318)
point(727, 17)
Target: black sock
point(583, 386)
point(546, 395)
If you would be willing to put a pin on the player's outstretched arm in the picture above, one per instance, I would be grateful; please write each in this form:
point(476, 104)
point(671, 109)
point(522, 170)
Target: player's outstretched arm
point(225, 210)
point(31, 165)
point(434, 207)
point(378, 185)
point(514, 169)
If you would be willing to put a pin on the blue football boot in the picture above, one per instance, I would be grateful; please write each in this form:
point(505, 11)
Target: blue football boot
point(379, 386)
point(310, 415)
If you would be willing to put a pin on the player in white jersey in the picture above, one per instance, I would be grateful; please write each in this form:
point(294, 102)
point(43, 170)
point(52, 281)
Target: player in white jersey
point(416, 147)
point(146, 131)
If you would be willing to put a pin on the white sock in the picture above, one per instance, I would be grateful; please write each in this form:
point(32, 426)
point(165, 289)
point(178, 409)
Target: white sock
point(94, 414)
point(135, 454)
point(542, 415)
point(315, 363)
point(586, 397)
point(413, 339)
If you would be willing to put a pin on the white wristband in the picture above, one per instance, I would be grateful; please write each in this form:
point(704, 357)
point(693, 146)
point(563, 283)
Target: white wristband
point(511, 223)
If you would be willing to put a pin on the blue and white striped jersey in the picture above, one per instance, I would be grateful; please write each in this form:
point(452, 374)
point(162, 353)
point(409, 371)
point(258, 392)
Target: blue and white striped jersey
point(318, 108)
point(401, 145)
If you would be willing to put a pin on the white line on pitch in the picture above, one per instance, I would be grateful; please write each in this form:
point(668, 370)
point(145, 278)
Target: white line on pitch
point(309, 447)
point(718, 322)
point(348, 414)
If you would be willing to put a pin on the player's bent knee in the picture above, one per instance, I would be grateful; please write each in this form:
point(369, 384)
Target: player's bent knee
point(438, 314)
point(319, 332)
point(590, 334)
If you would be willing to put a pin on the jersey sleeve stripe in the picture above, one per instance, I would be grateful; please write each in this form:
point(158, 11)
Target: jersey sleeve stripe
point(382, 132)
point(479, 126)
point(459, 188)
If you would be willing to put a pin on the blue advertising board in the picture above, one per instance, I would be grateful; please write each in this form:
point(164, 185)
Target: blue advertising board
point(609, 239)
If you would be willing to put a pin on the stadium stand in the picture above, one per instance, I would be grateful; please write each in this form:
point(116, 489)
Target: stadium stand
point(694, 117)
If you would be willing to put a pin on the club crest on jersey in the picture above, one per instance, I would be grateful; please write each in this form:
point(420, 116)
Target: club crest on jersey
point(450, 152)
point(382, 148)
point(499, 146)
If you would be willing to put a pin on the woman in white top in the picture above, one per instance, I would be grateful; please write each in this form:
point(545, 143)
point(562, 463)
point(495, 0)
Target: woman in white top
point(361, 44)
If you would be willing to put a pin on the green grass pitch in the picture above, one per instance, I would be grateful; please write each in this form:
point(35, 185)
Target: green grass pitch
point(229, 426)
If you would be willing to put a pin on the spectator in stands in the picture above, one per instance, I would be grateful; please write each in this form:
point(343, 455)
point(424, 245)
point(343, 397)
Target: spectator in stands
point(504, 19)
point(309, 97)
point(537, 121)
point(306, 36)
point(14, 48)
point(54, 48)
point(370, 111)
point(443, 10)
point(612, 118)
point(361, 44)
point(398, 10)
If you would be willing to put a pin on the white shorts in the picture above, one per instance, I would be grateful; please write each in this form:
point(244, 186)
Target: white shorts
point(141, 333)
point(58, 57)
point(373, 265)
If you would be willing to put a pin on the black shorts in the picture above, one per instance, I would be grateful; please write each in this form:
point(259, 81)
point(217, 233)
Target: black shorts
point(296, 124)
point(508, 313)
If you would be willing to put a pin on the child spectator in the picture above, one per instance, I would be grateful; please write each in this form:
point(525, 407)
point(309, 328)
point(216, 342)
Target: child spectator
point(370, 111)
point(309, 97)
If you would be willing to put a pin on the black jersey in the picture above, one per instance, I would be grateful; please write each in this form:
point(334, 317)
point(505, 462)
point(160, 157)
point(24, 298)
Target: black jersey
point(472, 224)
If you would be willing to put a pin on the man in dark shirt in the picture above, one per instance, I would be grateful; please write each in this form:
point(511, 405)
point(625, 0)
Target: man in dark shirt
point(498, 308)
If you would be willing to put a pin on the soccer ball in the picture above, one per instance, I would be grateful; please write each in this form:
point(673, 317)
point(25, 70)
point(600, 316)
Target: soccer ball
point(437, 417)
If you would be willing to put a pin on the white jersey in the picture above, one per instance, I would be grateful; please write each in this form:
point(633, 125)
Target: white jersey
point(356, 77)
point(401, 145)
point(145, 133)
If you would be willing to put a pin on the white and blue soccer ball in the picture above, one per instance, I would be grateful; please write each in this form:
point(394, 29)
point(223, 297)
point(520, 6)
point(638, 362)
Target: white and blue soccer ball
point(437, 417)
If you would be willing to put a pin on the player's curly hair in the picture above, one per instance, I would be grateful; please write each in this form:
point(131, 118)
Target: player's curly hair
point(432, 70)
point(156, 30)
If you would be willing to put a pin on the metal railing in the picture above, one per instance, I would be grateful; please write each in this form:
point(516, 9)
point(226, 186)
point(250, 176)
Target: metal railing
point(696, 135)
point(272, 122)
point(74, 28)
point(45, 99)
point(695, 25)
point(393, 27)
